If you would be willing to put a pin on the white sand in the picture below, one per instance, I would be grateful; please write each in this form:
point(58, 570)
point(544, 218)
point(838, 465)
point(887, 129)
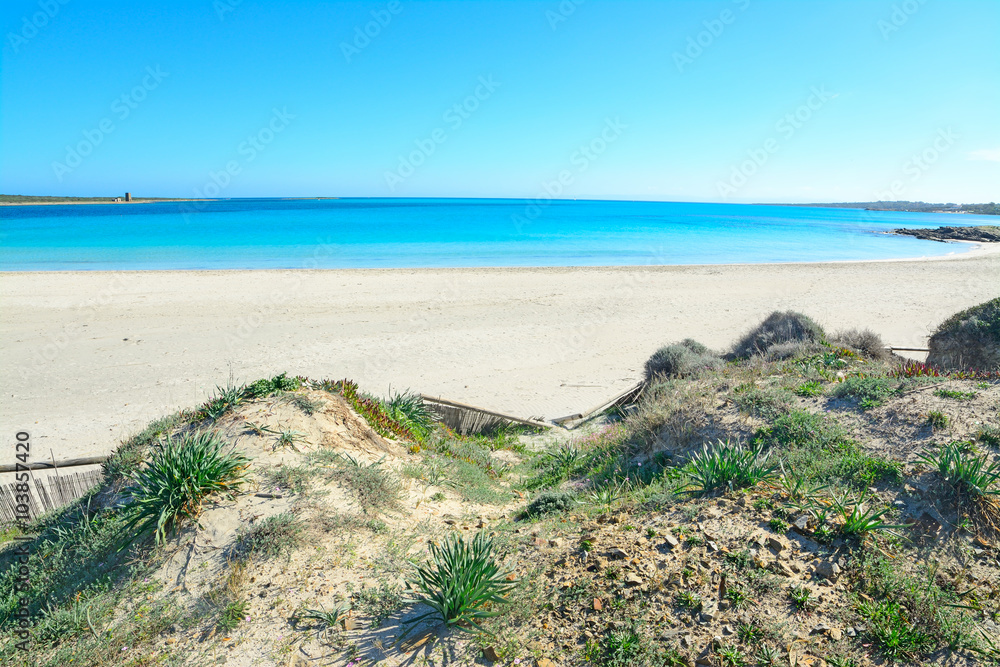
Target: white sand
point(90, 357)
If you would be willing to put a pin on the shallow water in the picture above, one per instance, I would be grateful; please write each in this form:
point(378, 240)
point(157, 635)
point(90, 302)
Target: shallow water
point(403, 233)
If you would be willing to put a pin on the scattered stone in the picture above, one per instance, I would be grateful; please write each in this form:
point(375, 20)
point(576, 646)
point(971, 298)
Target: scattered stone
point(801, 524)
point(598, 605)
point(728, 630)
point(617, 554)
point(836, 634)
point(783, 569)
point(828, 570)
point(545, 662)
point(632, 579)
point(820, 629)
point(490, 654)
point(598, 565)
point(725, 605)
point(712, 547)
point(671, 541)
point(556, 543)
point(540, 542)
point(774, 544)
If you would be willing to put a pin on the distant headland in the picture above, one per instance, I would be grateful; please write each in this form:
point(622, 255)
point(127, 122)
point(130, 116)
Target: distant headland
point(14, 200)
point(915, 207)
point(34, 200)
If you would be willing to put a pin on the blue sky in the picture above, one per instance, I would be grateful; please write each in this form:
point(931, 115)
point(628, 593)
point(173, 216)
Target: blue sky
point(728, 100)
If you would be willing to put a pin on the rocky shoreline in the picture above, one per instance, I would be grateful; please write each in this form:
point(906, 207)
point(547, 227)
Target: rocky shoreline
point(982, 234)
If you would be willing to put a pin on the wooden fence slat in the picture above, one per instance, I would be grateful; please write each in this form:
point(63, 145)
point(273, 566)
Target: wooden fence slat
point(46, 496)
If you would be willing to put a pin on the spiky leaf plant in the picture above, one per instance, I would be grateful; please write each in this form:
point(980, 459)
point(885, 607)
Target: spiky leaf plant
point(409, 409)
point(181, 474)
point(858, 520)
point(973, 480)
point(460, 582)
point(725, 467)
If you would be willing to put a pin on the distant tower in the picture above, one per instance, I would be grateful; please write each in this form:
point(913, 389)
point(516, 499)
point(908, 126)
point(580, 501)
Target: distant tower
point(128, 196)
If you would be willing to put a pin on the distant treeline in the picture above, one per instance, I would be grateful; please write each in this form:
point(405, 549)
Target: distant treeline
point(916, 207)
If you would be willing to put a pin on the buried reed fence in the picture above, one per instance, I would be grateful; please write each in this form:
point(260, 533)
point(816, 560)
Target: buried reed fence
point(45, 495)
point(466, 418)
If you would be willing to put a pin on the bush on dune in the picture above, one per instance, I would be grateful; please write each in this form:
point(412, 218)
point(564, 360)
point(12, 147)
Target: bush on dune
point(863, 341)
point(683, 359)
point(778, 328)
point(968, 340)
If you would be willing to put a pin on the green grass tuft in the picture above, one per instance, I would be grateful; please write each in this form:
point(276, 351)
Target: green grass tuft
point(276, 535)
point(869, 392)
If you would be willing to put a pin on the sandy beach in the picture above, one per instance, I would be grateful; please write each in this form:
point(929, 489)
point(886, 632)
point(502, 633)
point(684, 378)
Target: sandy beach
point(90, 357)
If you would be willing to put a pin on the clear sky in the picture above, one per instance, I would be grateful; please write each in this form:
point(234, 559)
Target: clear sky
point(722, 100)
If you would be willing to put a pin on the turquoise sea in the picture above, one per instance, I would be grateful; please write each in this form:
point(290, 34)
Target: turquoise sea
point(397, 233)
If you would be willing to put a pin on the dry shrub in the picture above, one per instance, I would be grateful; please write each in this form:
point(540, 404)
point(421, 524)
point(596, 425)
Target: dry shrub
point(779, 327)
point(968, 340)
point(684, 359)
point(791, 350)
point(863, 341)
point(674, 416)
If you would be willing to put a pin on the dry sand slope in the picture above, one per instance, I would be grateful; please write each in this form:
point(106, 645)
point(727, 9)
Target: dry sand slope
point(90, 357)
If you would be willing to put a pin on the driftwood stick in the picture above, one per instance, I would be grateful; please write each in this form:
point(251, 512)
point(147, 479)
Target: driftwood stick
point(46, 465)
point(628, 393)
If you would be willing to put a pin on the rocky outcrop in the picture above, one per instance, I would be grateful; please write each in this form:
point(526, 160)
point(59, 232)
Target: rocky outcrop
point(982, 234)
